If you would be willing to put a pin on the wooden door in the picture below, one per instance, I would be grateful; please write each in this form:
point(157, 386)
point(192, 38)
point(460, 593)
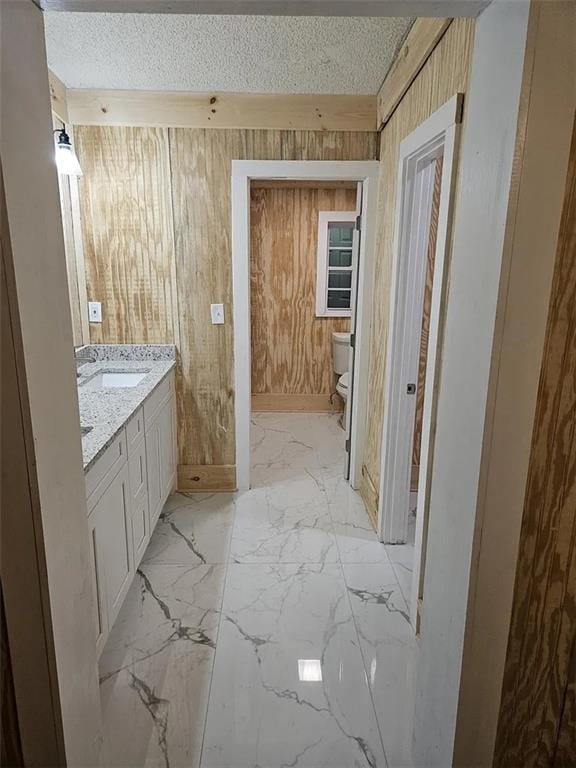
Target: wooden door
point(31, 734)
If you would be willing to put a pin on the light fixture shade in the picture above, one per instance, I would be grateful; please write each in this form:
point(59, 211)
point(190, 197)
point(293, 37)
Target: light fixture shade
point(66, 159)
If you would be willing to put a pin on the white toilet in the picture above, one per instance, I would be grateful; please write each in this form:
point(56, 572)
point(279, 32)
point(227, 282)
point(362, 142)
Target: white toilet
point(340, 362)
point(342, 386)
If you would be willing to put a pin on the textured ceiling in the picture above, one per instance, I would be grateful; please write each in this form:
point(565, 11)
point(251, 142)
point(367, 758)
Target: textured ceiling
point(255, 54)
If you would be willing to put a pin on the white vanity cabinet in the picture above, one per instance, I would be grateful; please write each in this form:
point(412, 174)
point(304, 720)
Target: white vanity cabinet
point(159, 419)
point(126, 489)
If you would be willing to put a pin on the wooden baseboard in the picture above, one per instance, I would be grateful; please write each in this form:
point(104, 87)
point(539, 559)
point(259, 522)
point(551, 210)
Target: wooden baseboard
point(297, 403)
point(369, 496)
point(206, 477)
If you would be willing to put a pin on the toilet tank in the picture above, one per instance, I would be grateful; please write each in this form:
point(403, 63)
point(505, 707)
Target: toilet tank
point(340, 352)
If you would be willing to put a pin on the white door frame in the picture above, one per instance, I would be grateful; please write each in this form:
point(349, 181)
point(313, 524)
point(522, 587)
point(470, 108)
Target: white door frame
point(365, 171)
point(439, 133)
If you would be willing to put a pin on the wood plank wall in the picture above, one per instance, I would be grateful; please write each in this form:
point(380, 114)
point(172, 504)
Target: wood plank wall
point(291, 347)
point(444, 74)
point(126, 211)
point(156, 226)
point(536, 725)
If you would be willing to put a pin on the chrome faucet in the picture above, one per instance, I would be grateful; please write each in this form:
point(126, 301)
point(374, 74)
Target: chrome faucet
point(83, 358)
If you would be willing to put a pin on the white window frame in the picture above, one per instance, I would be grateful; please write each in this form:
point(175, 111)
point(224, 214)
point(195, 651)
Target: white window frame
point(325, 218)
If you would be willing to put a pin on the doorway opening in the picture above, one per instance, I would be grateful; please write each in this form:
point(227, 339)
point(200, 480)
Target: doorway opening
point(303, 255)
point(426, 175)
point(339, 285)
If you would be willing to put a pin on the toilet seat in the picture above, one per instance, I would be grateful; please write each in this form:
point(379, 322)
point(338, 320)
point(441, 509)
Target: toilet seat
point(343, 385)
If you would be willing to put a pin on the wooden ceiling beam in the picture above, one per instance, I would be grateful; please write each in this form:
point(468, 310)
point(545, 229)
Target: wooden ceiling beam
point(223, 110)
point(424, 8)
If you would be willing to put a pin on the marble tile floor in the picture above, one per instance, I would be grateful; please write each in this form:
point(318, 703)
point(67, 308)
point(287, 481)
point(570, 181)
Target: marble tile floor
point(266, 629)
point(402, 555)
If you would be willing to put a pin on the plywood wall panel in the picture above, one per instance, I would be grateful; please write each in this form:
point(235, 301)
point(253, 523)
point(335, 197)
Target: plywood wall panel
point(126, 211)
point(539, 683)
point(201, 171)
point(444, 74)
point(201, 186)
point(155, 207)
point(291, 347)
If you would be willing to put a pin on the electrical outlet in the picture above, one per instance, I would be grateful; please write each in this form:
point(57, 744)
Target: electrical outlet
point(95, 311)
point(217, 314)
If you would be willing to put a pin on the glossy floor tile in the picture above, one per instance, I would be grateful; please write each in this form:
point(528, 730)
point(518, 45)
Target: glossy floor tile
point(155, 670)
point(389, 650)
point(266, 629)
point(194, 529)
point(402, 558)
point(289, 686)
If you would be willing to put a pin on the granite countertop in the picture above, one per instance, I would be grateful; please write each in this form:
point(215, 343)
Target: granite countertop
point(106, 409)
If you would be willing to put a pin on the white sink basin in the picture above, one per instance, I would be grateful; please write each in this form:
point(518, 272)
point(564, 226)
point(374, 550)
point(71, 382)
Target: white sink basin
point(114, 379)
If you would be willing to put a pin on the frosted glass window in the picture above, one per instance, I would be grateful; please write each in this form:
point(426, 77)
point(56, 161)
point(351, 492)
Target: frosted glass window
point(335, 263)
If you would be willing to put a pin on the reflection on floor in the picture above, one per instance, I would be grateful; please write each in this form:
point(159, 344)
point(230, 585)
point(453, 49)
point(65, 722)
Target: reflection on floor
point(266, 629)
point(402, 555)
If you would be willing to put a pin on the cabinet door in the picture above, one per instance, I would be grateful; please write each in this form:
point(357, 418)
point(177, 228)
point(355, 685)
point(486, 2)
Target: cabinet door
point(167, 462)
point(139, 491)
point(153, 466)
point(113, 542)
point(99, 586)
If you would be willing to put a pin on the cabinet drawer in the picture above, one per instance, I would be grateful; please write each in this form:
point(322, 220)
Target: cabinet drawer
point(157, 398)
point(135, 429)
point(98, 477)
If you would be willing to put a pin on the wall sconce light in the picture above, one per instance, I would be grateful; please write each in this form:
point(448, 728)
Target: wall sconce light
point(66, 159)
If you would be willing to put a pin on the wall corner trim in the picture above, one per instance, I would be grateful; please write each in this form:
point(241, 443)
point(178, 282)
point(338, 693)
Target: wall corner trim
point(58, 97)
point(423, 37)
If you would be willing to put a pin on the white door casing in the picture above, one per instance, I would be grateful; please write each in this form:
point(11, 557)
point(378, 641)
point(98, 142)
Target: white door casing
point(438, 135)
point(365, 172)
point(353, 323)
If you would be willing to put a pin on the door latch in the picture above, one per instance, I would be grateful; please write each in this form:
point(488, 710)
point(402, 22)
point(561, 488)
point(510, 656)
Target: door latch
point(411, 389)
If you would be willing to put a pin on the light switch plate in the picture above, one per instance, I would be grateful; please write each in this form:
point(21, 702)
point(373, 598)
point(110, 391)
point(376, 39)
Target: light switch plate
point(95, 311)
point(217, 314)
